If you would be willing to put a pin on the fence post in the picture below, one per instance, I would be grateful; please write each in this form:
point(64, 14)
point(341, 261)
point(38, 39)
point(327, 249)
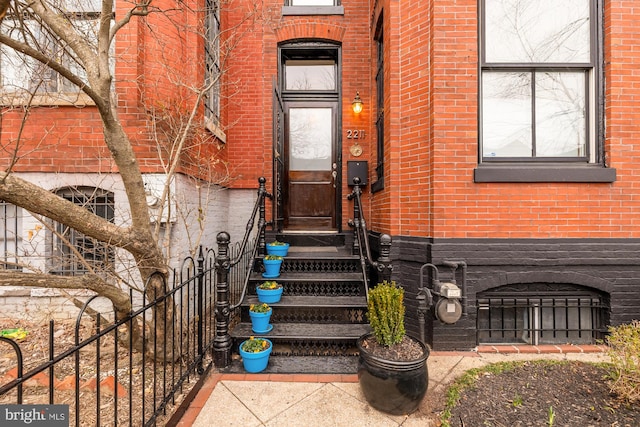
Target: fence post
point(384, 260)
point(357, 220)
point(222, 342)
point(200, 274)
point(262, 221)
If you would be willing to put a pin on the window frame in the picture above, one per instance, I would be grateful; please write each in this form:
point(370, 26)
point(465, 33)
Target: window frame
point(378, 185)
point(212, 67)
point(11, 217)
point(65, 93)
point(294, 10)
point(591, 167)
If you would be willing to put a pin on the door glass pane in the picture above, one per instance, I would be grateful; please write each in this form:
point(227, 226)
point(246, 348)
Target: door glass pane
point(537, 31)
point(310, 75)
point(310, 141)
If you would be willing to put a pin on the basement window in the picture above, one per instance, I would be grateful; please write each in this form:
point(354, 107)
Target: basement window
point(577, 318)
point(73, 252)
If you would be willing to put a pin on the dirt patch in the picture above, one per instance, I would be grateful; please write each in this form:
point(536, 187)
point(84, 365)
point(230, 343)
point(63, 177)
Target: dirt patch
point(543, 393)
point(406, 350)
point(96, 364)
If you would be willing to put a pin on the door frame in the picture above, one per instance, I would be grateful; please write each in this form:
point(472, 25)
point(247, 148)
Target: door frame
point(305, 50)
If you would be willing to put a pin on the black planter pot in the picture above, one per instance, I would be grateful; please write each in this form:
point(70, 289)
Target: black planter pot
point(391, 386)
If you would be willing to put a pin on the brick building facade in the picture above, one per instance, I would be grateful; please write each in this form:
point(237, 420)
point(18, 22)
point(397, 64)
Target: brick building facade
point(498, 135)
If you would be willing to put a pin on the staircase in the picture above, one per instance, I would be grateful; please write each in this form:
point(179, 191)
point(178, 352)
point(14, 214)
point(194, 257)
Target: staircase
point(322, 311)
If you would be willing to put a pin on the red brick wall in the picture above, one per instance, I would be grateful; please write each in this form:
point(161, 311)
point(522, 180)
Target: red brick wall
point(152, 69)
point(433, 138)
point(254, 66)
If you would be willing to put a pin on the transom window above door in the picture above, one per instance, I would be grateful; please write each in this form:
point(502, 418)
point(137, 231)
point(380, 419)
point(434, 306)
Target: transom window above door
point(305, 75)
point(307, 69)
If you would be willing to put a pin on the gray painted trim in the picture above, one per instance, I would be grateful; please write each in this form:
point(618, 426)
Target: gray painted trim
point(555, 173)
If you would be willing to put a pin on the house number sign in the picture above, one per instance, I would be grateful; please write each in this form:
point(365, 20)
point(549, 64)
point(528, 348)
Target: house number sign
point(356, 149)
point(355, 133)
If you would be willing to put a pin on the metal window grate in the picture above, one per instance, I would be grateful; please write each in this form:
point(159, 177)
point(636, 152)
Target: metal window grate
point(576, 319)
point(93, 253)
point(212, 63)
point(10, 235)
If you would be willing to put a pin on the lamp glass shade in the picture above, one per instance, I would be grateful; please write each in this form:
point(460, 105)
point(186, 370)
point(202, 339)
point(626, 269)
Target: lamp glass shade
point(356, 105)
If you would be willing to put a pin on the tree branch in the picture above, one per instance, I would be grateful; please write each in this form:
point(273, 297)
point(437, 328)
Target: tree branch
point(93, 282)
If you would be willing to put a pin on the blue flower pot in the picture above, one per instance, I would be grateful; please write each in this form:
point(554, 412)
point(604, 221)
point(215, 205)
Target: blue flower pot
point(280, 250)
point(269, 296)
point(260, 322)
point(255, 362)
point(271, 268)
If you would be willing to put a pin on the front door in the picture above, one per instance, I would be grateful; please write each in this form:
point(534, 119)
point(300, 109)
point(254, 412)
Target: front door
point(312, 165)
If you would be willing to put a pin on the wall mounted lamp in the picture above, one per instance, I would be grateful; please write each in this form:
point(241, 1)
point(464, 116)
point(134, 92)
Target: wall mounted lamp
point(356, 105)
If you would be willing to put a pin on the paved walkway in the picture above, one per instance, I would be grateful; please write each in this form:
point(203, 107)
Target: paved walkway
point(248, 400)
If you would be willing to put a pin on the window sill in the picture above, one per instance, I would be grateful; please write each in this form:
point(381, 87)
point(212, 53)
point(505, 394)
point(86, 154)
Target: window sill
point(543, 173)
point(378, 185)
point(76, 99)
point(215, 130)
point(312, 10)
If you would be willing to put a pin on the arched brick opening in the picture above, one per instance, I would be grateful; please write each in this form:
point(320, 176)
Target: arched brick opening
point(310, 30)
point(553, 311)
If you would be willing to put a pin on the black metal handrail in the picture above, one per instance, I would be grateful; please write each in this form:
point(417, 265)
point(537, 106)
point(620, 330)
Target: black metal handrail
point(222, 342)
point(383, 264)
point(260, 243)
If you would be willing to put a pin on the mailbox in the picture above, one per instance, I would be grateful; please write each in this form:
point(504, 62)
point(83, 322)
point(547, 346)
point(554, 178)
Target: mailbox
point(357, 168)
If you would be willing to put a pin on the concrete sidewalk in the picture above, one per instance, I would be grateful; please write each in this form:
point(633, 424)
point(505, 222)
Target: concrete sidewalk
point(249, 400)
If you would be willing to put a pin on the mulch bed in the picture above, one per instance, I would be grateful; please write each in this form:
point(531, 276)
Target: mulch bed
point(543, 393)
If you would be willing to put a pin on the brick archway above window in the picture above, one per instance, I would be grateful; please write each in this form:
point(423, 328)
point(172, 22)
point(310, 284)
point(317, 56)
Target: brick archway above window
point(543, 276)
point(310, 30)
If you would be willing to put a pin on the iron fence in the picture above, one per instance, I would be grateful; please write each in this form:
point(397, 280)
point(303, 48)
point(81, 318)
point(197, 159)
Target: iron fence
point(97, 367)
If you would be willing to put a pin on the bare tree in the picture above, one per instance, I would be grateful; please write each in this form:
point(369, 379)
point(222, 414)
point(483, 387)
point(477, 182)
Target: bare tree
point(44, 34)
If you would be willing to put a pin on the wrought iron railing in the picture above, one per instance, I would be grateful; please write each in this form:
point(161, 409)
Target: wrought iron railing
point(224, 306)
point(361, 243)
point(104, 376)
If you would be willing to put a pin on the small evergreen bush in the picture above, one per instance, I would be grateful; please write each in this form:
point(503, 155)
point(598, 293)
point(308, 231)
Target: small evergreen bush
point(385, 310)
point(624, 352)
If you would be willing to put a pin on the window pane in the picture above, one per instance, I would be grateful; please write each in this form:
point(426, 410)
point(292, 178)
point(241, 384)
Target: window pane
point(506, 114)
point(560, 114)
point(310, 75)
point(310, 138)
point(312, 2)
point(537, 31)
point(80, 5)
point(10, 226)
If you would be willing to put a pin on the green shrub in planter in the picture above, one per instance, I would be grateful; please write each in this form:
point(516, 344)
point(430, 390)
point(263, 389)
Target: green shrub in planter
point(386, 313)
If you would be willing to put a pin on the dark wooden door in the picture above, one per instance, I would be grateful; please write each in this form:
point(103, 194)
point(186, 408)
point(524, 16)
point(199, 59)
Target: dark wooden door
point(311, 166)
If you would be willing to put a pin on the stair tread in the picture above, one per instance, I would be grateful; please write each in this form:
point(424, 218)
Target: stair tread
point(310, 276)
point(330, 252)
point(329, 331)
point(315, 301)
point(303, 365)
